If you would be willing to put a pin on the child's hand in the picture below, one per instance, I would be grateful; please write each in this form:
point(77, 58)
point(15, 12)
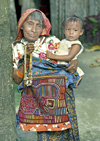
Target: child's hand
point(49, 54)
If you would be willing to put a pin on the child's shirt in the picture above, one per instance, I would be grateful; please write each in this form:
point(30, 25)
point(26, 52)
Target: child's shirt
point(63, 50)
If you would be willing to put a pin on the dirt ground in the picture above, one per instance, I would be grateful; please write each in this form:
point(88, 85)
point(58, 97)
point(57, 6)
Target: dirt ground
point(87, 99)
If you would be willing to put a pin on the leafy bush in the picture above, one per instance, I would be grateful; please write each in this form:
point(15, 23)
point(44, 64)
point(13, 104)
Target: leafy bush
point(92, 29)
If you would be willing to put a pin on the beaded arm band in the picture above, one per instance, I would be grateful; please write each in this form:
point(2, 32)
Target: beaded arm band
point(20, 74)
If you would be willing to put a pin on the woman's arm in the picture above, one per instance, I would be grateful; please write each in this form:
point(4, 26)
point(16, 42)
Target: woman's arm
point(73, 51)
point(18, 74)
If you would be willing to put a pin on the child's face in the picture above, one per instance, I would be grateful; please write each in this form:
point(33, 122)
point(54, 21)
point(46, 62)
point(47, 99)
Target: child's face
point(72, 30)
point(32, 29)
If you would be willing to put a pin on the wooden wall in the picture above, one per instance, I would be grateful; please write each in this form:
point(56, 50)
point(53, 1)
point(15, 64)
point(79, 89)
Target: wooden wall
point(62, 8)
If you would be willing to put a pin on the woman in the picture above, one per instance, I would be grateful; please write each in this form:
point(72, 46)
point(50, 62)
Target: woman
point(33, 32)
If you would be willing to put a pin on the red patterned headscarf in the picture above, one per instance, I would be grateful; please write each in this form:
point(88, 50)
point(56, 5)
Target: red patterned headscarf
point(26, 13)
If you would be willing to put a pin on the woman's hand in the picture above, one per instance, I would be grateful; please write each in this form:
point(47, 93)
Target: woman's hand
point(49, 54)
point(30, 48)
point(73, 66)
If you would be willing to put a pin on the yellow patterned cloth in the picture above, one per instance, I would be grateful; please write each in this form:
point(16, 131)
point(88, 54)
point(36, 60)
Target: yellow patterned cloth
point(63, 49)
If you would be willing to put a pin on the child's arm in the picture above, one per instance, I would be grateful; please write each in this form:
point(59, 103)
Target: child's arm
point(73, 51)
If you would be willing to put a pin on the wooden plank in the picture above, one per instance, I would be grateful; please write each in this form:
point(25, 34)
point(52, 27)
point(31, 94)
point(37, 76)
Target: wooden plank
point(57, 18)
point(26, 4)
point(53, 16)
point(77, 7)
point(61, 18)
point(65, 8)
point(94, 7)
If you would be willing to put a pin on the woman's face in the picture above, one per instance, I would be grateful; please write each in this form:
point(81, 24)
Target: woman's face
point(32, 29)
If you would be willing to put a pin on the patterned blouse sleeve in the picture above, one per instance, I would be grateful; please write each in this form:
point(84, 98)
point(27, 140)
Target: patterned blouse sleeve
point(52, 43)
point(18, 54)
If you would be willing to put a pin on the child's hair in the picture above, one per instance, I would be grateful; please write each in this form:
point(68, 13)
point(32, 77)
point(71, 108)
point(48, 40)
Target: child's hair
point(73, 18)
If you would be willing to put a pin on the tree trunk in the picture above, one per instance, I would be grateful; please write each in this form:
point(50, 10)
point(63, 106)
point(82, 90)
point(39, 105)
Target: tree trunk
point(7, 100)
point(13, 20)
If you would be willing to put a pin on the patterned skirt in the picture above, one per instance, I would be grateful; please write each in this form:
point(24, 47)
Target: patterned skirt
point(71, 134)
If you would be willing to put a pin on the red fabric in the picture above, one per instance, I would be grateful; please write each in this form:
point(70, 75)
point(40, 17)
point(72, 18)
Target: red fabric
point(25, 14)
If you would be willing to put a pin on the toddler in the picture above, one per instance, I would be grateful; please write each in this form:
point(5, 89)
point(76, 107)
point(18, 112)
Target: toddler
point(70, 47)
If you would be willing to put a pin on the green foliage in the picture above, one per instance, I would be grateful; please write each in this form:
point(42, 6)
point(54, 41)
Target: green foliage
point(95, 25)
point(92, 29)
point(17, 95)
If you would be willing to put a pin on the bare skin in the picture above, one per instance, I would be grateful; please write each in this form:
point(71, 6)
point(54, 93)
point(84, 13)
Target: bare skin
point(73, 51)
point(73, 66)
